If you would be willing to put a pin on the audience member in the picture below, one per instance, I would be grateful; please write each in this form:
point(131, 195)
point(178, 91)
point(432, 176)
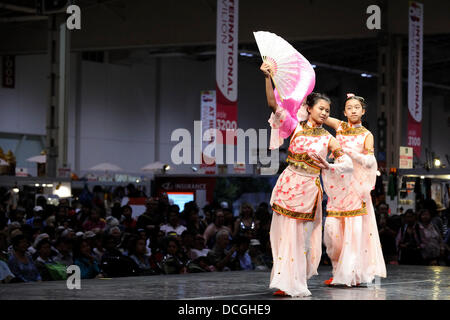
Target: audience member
point(84, 259)
point(94, 221)
point(219, 256)
point(173, 224)
point(408, 244)
point(431, 244)
point(173, 261)
point(20, 263)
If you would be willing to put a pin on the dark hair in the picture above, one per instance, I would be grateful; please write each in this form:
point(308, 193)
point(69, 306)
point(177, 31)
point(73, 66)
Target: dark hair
point(16, 239)
point(77, 247)
point(169, 239)
point(314, 97)
point(360, 99)
point(41, 243)
point(127, 207)
point(132, 244)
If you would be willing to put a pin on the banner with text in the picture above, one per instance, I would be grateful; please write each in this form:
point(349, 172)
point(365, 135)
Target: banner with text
point(415, 72)
point(227, 68)
point(208, 118)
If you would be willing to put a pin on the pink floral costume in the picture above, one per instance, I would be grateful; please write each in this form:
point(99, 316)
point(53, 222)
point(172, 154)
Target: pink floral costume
point(296, 229)
point(350, 233)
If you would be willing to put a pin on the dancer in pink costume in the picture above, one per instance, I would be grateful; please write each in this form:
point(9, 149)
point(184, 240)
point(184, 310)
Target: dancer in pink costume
point(351, 235)
point(296, 229)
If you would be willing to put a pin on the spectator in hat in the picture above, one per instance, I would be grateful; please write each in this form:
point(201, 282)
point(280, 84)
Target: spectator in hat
point(37, 219)
point(20, 263)
point(111, 222)
point(173, 224)
point(257, 256)
point(45, 263)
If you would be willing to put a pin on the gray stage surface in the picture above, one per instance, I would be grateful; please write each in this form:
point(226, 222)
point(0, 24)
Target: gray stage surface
point(402, 283)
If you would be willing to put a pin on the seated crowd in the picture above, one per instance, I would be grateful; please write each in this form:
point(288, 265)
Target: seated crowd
point(40, 244)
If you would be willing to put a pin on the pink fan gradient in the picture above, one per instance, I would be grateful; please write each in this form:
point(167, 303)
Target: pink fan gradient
point(305, 82)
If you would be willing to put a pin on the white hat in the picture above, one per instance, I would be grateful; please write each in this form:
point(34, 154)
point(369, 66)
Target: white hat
point(89, 234)
point(38, 208)
point(224, 205)
point(112, 222)
point(79, 234)
point(255, 242)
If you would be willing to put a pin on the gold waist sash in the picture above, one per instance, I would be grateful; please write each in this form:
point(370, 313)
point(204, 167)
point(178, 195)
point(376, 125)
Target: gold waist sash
point(303, 161)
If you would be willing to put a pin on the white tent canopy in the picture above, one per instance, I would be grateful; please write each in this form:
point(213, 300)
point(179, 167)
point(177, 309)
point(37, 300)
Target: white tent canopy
point(153, 166)
point(42, 158)
point(105, 166)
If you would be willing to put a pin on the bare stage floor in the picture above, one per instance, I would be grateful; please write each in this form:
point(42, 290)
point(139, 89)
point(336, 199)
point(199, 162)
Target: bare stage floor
point(402, 283)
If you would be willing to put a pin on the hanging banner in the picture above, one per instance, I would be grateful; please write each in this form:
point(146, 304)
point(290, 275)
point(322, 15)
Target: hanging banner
point(415, 72)
point(227, 68)
point(208, 118)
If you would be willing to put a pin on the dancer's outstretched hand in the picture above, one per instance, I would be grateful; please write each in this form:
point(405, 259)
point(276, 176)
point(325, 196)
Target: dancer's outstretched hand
point(322, 163)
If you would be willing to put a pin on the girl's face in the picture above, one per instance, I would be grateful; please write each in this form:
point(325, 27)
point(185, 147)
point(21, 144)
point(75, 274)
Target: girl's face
point(22, 245)
point(425, 217)
point(45, 250)
point(127, 212)
point(85, 249)
point(140, 247)
point(320, 111)
point(354, 110)
point(172, 248)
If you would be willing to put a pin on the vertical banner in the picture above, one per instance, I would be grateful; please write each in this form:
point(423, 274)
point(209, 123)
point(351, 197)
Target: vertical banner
point(9, 72)
point(415, 71)
point(208, 118)
point(227, 68)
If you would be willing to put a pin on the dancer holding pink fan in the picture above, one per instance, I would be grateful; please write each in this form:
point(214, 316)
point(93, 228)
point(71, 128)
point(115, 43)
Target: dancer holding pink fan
point(296, 229)
point(351, 235)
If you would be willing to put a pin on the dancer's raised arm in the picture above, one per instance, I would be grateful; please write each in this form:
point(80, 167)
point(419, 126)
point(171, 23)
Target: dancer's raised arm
point(332, 122)
point(271, 101)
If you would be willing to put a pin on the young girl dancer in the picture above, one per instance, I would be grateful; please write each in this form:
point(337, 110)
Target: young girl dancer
point(296, 229)
point(351, 235)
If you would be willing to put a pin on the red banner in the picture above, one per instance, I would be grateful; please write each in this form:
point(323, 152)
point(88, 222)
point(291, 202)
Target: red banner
point(414, 135)
point(227, 69)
